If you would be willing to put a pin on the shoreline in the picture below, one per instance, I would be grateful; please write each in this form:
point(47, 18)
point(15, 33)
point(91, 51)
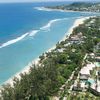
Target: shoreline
point(51, 9)
point(69, 32)
point(24, 70)
point(35, 61)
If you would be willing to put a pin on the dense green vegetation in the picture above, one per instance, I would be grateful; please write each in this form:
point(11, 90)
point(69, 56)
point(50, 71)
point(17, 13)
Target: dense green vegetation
point(79, 6)
point(45, 79)
point(91, 30)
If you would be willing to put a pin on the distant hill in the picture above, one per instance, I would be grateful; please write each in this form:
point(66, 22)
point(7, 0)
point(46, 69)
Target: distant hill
point(79, 6)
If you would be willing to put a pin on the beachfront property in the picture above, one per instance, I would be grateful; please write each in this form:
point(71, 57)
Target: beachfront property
point(84, 77)
point(84, 73)
point(79, 38)
point(86, 82)
point(89, 75)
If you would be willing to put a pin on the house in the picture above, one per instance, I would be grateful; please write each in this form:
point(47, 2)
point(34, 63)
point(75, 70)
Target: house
point(92, 55)
point(74, 39)
point(77, 87)
point(83, 77)
point(84, 72)
point(82, 84)
point(79, 38)
point(60, 50)
point(90, 66)
point(97, 58)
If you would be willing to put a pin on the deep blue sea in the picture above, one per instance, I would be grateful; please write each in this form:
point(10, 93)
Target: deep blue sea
point(26, 32)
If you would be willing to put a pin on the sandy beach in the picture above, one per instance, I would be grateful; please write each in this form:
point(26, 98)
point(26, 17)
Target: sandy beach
point(35, 61)
point(75, 24)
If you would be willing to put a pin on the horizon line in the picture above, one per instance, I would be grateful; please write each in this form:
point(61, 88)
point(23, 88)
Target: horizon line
point(47, 1)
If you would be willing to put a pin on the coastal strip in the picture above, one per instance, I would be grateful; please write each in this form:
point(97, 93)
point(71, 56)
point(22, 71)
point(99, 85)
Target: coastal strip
point(60, 10)
point(36, 61)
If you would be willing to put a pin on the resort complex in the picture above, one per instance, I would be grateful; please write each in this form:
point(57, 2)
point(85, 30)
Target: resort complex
point(89, 75)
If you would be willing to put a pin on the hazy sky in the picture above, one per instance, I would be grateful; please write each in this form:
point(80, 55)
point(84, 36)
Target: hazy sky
point(40, 0)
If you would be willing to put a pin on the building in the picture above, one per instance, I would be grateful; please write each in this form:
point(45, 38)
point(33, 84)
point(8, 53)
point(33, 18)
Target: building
point(95, 88)
point(84, 73)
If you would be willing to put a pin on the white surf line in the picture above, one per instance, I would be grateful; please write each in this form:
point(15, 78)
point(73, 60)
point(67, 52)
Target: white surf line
point(32, 33)
point(48, 25)
point(13, 40)
point(42, 9)
point(49, 9)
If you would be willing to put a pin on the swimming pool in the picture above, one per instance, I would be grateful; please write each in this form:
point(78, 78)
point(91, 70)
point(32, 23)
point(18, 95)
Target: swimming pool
point(97, 64)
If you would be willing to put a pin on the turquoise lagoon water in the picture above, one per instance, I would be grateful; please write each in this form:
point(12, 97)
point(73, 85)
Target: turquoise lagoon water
point(26, 32)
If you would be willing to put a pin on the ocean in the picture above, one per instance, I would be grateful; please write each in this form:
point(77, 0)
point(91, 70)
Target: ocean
point(27, 31)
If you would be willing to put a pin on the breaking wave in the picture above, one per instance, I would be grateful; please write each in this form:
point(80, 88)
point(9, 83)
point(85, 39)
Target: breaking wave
point(32, 33)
